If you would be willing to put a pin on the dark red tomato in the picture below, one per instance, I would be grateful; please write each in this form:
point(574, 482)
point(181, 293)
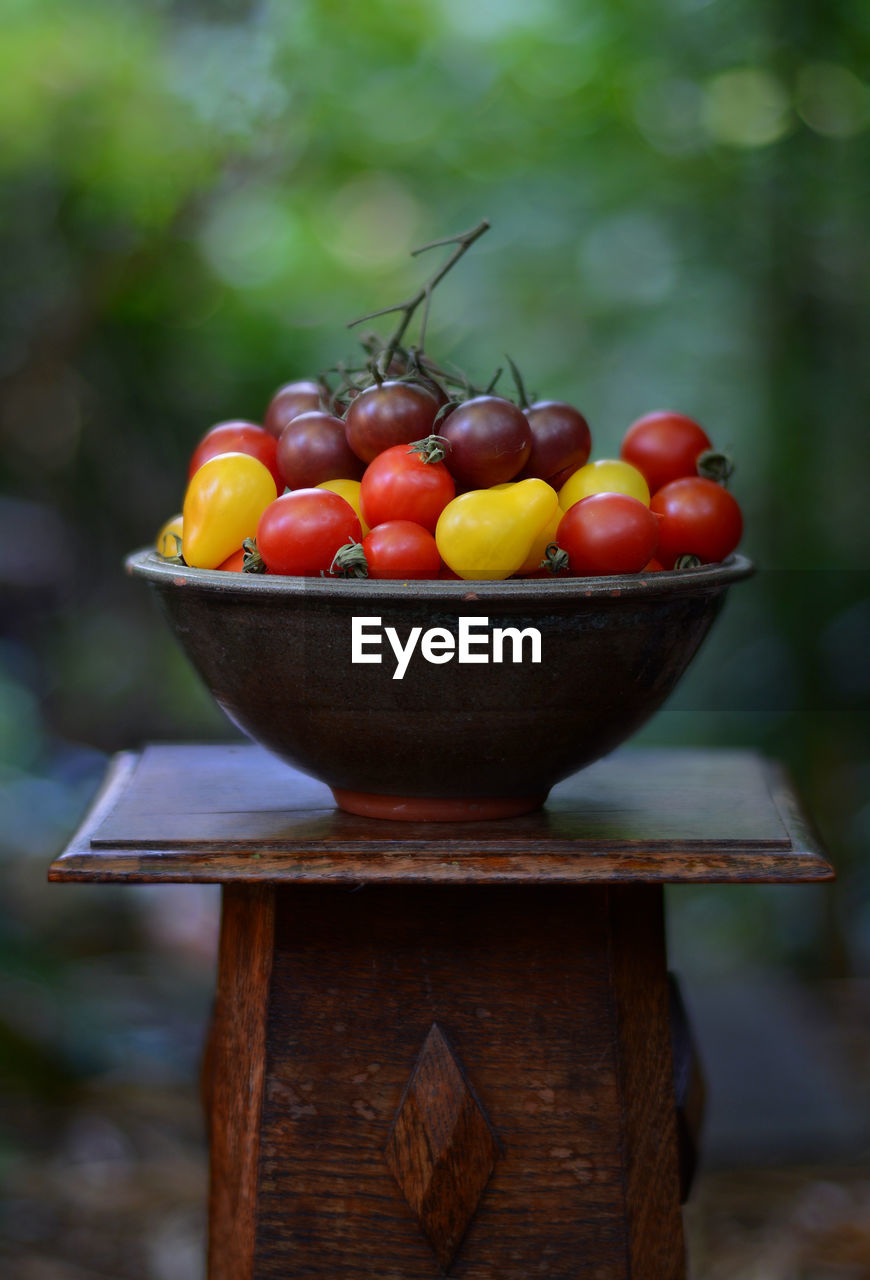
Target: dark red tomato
point(697, 517)
point(664, 447)
point(393, 413)
point(561, 441)
point(238, 437)
point(401, 549)
point(288, 402)
point(300, 532)
point(490, 441)
point(399, 485)
point(312, 448)
point(608, 533)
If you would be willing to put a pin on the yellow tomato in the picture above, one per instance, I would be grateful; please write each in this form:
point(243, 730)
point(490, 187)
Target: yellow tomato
point(489, 533)
point(608, 475)
point(349, 490)
point(168, 542)
point(222, 506)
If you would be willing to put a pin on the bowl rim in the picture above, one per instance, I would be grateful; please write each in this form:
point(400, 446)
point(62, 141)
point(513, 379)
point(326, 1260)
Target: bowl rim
point(147, 564)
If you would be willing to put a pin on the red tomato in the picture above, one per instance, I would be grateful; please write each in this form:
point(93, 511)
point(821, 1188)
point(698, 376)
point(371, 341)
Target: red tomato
point(608, 533)
point(664, 447)
point(399, 485)
point(289, 401)
point(235, 562)
point(238, 437)
point(300, 532)
point(697, 518)
point(401, 549)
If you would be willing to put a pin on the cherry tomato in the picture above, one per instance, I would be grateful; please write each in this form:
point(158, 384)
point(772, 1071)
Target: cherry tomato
point(300, 532)
point(664, 447)
point(234, 563)
point(312, 448)
point(607, 475)
point(608, 533)
point(399, 485)
point(168, 540)
point(490, 439)
point(288, 402)
point(561, 442)
point(697, 518)
point(222, 505)
point(350, 491)
point(238, 437)
point(389, 414)
point(401, 549)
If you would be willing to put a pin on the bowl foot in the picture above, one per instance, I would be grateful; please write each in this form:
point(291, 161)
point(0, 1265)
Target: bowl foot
point(434, 808)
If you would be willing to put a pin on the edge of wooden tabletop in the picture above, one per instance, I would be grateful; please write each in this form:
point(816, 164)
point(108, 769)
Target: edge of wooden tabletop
point(400, 855)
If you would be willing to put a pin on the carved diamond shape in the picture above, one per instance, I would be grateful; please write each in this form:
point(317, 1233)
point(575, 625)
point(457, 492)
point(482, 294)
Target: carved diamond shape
point(441, 1150)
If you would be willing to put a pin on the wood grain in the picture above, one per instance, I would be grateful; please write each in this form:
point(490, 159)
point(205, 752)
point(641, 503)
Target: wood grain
point(235, 813)
point(644, 1070)
point(236, 1068)
point(520, 981)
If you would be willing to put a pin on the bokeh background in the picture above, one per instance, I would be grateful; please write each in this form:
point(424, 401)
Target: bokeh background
point(194, 200)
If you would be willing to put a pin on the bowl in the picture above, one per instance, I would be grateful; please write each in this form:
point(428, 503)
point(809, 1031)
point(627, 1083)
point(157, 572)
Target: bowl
point(439, 700)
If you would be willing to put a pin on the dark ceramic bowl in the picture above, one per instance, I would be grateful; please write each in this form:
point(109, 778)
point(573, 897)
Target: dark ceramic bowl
point(448, 739)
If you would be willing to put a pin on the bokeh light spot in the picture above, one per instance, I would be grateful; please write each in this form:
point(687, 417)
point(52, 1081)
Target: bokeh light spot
point(832, 100)
point(746, 107)
point(251, 238)
point(371, 222)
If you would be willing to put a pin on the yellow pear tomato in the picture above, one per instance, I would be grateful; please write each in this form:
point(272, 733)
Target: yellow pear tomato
point(349, 490)
point(489, 533)
point(168, 541)
point(608, 475)
point(223, 504)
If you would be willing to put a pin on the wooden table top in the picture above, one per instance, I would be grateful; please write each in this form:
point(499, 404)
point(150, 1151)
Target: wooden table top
point(235, 813)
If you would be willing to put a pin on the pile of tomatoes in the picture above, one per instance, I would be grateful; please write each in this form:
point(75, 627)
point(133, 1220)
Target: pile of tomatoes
point(395, 479)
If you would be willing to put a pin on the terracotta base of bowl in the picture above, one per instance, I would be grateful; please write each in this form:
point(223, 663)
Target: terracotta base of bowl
point(433, 808)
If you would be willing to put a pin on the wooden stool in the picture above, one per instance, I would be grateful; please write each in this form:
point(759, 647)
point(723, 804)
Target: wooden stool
point(444, 1048)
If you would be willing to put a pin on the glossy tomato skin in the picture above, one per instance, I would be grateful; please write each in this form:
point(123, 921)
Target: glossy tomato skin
point(386, 415)
point(399, 485)
point(490, 442)
point(697, 517)
point(608, 533)
point(561, 441)
point(238, 437)
point(664, 447)
point(401, 549)
point(300, 532)
point(312, 448)
point(288, 402)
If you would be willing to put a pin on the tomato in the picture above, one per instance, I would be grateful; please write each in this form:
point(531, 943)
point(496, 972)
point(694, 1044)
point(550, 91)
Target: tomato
point(401, 549)
point(608, 475)
point(561, 441)
point(697, 518)
point(389, 414)
point(234, 563)
point(312, 448)
point(222, 505)
point(289, 401)
point(608, 533)
point(664, 447)
point(490, 441)
point(168, 541)
point(400, 485)
point(350, 491)
point(488, 533)
point(300, 532)
point(238, 437)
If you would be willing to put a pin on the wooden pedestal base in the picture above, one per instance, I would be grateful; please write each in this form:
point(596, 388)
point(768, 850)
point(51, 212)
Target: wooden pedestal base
point(538, 1136)
point(443, 1048)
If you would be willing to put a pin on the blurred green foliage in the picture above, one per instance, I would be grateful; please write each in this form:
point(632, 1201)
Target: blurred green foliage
point(194, 200)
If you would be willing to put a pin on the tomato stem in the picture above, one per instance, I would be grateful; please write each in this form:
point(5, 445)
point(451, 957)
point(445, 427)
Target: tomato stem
point(463, 241)
point(252, 561)
point(522, 394)
point(555, 559)
point(713, 465)
point(349, 561)
point(433, 448)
